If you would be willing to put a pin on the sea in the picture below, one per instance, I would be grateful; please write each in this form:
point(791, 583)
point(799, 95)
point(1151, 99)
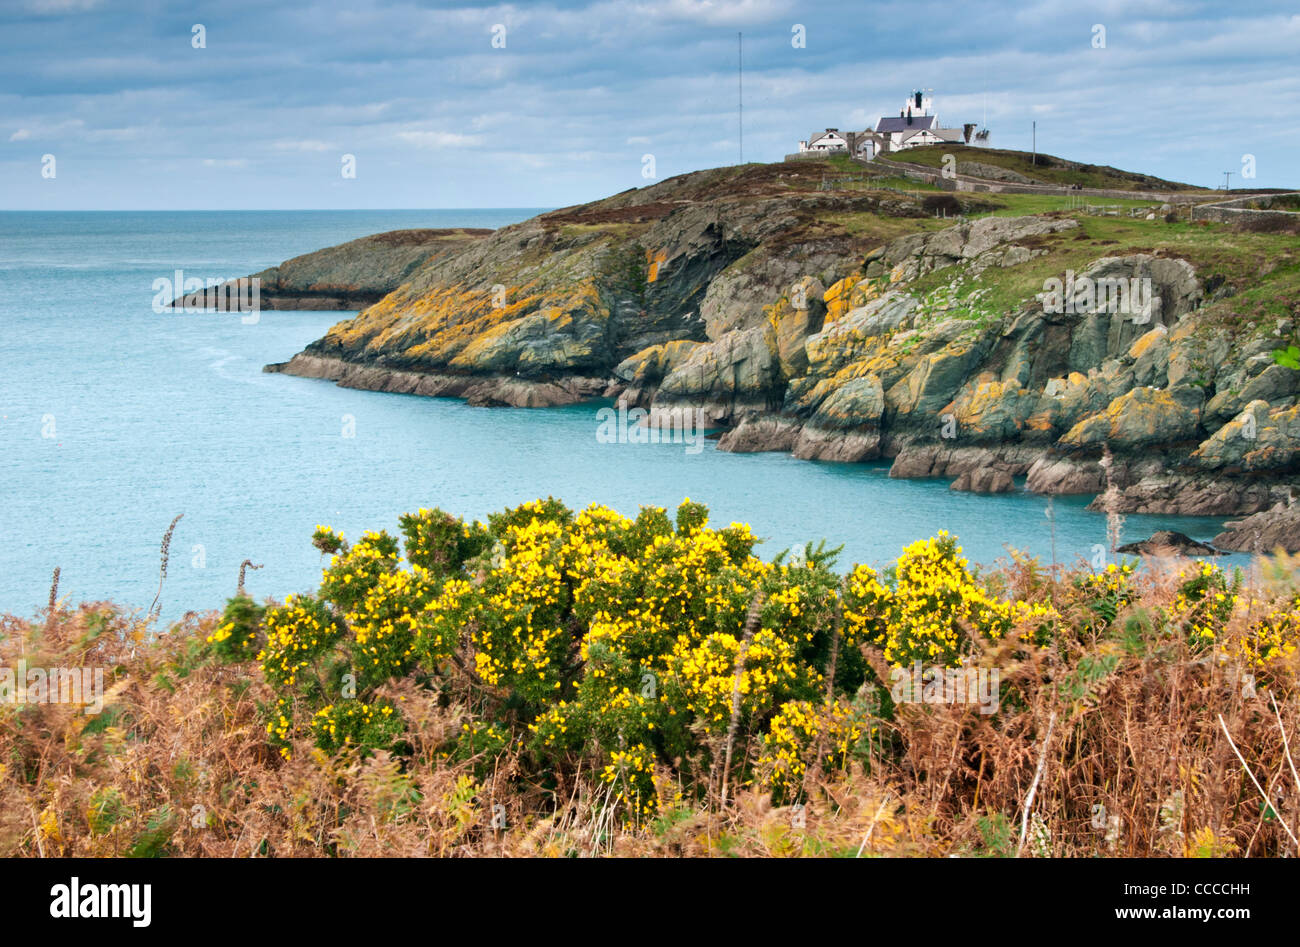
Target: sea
point(115, 419)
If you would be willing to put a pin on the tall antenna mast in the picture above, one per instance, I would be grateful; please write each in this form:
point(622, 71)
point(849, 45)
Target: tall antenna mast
point(740, 92)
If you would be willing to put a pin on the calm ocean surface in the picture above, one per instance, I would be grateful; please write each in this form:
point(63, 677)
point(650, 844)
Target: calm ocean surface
point(114, 419)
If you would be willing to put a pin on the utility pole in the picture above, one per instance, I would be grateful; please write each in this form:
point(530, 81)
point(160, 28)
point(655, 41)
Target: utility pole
point(1035, 144)
point(1227, 175)
point(740, 92)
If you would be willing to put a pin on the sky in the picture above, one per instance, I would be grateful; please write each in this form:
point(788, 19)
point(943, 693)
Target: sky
point(247, 104)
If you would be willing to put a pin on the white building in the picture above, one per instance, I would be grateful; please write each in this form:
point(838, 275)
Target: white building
point(828, 141)
point(917, 125)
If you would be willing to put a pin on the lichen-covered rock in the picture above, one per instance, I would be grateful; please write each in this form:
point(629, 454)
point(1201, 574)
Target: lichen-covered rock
point(642, 372)
point(564, 337)
point(949, 356)
point(860, 334)
point(846, 426)
point(1273, 383)
point(737, 374)
point(1139, 418)
point(838, 297)
point(794, 318)
point(1259, 439)
point(990, 410)
point(1062, 403)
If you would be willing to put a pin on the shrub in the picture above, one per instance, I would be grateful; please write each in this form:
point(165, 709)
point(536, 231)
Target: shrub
point(1204, 603)
point(238, 634)
point(598, 634)
point(933, 607)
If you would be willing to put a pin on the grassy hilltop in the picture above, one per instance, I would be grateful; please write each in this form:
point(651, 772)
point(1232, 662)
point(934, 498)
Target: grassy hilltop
point(1040, 169)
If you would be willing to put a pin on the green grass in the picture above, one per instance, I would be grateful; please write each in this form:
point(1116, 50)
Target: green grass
point(1011, 205)
point(1263, 268)
point(1019, 205)
point(621, 229)
point(883, 229)
point(850, 175)
point(1049, 169)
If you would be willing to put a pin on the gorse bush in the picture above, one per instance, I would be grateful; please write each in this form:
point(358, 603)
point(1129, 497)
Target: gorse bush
point(619, 644)
point(933, 607)
point(524, 684)
point(1206, 599)
point(587, 637)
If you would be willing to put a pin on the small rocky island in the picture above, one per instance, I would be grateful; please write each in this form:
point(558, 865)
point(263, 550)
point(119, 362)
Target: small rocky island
point(806, 307)
point(1168, 542)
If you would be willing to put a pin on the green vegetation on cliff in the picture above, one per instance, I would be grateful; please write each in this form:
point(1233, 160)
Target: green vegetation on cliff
point(812, 307)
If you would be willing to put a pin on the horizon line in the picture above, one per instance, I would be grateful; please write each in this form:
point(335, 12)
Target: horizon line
point(240, 210)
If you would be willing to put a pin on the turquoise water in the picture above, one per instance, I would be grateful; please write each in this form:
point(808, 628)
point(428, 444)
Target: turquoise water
point(153, 415)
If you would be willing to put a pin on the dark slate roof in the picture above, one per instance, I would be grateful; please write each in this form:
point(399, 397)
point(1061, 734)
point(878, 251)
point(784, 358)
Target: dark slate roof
point(899, 123)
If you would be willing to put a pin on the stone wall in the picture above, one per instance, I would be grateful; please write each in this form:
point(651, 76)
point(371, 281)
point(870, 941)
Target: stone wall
point(1238, 209)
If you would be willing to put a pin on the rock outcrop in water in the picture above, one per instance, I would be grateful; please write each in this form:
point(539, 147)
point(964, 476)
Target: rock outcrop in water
point(851, 324)
point(1168, 542)
point(1277, 528)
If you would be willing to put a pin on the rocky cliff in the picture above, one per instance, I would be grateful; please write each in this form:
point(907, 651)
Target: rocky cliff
point(806, 308)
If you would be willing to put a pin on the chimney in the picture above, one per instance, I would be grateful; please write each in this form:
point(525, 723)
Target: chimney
point(909, 115)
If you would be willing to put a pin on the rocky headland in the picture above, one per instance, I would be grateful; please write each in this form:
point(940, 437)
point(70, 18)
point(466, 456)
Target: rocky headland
point(849, 321)
point(352, 275)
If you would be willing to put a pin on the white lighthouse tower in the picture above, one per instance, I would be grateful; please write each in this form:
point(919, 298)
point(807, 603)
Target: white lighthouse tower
point(920, 103)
